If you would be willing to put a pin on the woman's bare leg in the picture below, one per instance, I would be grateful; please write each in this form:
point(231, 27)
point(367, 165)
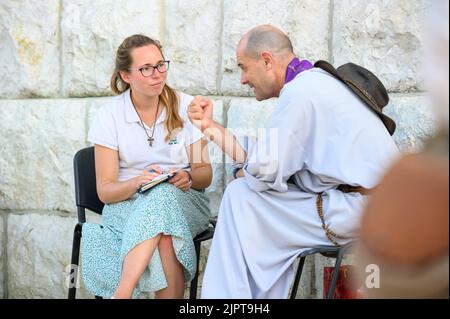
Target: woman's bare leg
point(172, 269)
point(134, 265)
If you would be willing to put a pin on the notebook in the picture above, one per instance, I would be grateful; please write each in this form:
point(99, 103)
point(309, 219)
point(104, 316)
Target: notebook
point(159, 179)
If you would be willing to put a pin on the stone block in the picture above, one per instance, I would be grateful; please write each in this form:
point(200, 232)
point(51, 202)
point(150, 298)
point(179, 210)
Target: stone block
point(415, 120)
point(306, 22)
point(40, 138)
point(192, 43)
point(39, 249)
point(384, 36)
point(29, 49)
point(91, 34)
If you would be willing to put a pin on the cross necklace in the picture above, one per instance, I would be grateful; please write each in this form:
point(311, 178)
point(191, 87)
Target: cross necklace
point(150, 139)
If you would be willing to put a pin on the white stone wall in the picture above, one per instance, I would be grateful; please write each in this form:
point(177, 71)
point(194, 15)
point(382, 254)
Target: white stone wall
point(2, 256)
point(54, 74)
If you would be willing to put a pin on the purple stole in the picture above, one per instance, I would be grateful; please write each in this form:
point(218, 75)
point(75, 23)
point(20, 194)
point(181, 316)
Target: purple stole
point(295, 67)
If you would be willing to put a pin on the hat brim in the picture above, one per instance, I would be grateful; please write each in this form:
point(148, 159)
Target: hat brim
point(328, 67)
point(387, 121)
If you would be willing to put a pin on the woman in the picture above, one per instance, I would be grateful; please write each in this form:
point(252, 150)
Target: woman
point(145, 240)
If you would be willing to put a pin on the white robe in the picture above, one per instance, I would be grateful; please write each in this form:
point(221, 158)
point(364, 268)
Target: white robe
point(326, 136)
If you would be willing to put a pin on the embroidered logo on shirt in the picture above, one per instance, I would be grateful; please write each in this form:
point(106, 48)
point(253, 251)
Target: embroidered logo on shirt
point(173, 141)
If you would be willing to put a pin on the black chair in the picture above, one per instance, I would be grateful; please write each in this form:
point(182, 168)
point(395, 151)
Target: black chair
point(337, 252)
point(86, 198)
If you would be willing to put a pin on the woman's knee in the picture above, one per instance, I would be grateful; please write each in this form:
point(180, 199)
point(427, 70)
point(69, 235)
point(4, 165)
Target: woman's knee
point(165, 244)
point(167, 252)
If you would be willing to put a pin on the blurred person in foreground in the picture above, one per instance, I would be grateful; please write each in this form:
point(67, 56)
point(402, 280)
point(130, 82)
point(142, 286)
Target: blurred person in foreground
point(404, 231)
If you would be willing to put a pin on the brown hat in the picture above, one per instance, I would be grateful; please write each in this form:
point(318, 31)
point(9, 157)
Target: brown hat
point(365, 84)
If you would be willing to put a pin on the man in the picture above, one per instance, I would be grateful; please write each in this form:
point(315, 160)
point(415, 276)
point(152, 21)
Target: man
point(326, 136)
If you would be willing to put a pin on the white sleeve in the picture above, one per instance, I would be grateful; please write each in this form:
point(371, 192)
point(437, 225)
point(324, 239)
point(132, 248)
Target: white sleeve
point(281, 152)
point(191, 133)
point(103, 130)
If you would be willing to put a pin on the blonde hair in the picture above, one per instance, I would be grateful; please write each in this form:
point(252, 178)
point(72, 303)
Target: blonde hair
point(168, 95)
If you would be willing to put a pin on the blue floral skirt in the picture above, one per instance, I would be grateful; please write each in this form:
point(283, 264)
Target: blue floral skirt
point(163, 209)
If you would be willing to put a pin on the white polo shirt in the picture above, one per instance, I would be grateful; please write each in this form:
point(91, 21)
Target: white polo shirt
point(117, 126)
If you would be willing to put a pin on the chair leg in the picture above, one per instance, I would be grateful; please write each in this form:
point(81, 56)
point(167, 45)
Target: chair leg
point(193, 288)
point(335, 276)
point(74, 261)
point(298, 275)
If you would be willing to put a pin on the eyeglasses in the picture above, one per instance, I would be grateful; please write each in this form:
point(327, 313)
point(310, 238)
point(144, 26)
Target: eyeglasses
point(149, 70)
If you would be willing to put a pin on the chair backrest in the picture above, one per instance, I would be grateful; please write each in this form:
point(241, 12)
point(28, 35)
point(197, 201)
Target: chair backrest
point(85, 184)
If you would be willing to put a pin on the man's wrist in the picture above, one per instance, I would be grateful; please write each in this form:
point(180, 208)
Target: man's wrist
point(207, 124)
point(237, 170)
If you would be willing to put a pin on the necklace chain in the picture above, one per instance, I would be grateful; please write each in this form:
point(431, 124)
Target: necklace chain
point(150, 139)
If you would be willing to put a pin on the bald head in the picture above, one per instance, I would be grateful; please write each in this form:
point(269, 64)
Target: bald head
point(266, 38)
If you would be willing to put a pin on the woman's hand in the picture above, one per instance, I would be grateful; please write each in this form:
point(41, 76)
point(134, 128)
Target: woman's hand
point(181, 180)
point(147, 175)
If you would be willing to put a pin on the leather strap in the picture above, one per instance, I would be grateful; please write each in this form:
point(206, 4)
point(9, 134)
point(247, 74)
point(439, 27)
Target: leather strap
point(354, 189)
